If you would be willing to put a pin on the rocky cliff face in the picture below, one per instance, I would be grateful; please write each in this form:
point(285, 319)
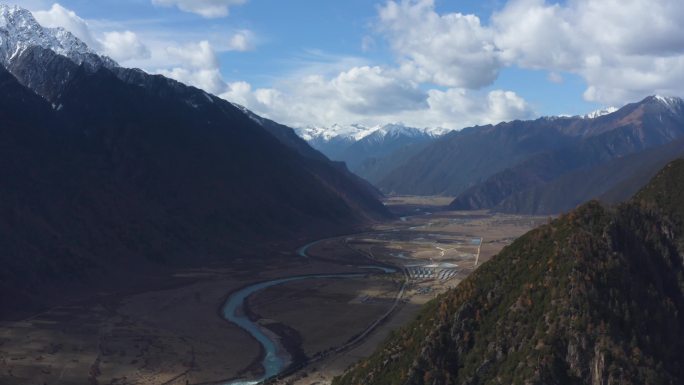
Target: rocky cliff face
point(594, 297)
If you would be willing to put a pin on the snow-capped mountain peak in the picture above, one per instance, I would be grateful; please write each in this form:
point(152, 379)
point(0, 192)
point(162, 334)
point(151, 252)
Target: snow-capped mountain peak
point(352, 132)
point(399, 129)
point(668, 99)
point(672, 103)
point(599, 113)
point(20, 31)
point(357, 132)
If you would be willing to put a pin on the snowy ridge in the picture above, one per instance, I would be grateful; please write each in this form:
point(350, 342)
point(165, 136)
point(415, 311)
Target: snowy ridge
point(255, 118)
point(599, 113)
point(19, 31)
point(354, 132)
point(351, 132)
point(357, 132)
point(674, 104)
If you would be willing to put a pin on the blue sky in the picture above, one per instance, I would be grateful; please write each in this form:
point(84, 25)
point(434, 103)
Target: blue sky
point(432, 63)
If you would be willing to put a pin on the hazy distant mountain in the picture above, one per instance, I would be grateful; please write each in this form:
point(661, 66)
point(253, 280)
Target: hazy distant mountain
point(381, 143)
point(463, 158)
point(374, 169)
point(366, 150)
point(484, 166)
point(594, 297)
point(106, 170)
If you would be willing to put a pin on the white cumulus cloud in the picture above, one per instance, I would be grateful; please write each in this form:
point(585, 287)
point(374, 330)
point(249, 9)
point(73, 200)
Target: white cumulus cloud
point(452, 50)
point(624, 50)
point(198, 66)
point(319, 101)
point(124, 46)
point(199, 55)
point(58, 16)
point(457, 108)
point(194, 63)
point(208, 79)
point(372, 90)
point(360, 93)
point(446, 63)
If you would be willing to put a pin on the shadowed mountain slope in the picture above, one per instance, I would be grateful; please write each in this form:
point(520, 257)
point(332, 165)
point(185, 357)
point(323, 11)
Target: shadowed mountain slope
point(111, 171)
point(535, 187)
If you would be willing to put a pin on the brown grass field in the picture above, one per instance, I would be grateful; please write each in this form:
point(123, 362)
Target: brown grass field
point(175, 335)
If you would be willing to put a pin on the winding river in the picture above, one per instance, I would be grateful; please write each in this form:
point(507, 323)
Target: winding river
point(233, 311)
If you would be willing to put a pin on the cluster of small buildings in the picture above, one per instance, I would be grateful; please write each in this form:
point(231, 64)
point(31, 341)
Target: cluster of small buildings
point(442, 271)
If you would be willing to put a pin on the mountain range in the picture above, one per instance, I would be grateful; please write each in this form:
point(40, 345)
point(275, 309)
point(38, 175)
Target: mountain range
point(364, 149)
point(372, 152)
point(594, 297)
point(107, 170)
point(521, 166)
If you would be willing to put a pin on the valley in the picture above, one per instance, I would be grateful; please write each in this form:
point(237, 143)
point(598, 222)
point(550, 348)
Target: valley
point(175, 332)
point(235, 192)
point(592, 297)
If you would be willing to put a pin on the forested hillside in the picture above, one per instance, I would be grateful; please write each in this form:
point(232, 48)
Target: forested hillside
point(594, 297)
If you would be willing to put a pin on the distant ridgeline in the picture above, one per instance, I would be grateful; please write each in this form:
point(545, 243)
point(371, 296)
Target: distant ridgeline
point(543, 166)
point(594, 297)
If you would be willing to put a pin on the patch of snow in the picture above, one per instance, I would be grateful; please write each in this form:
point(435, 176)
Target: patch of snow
point(599, 113)
point(256, 118)
point(352, 132)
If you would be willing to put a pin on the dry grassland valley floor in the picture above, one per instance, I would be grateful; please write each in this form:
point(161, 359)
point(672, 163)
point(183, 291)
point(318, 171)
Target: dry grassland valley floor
point(176, 333)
